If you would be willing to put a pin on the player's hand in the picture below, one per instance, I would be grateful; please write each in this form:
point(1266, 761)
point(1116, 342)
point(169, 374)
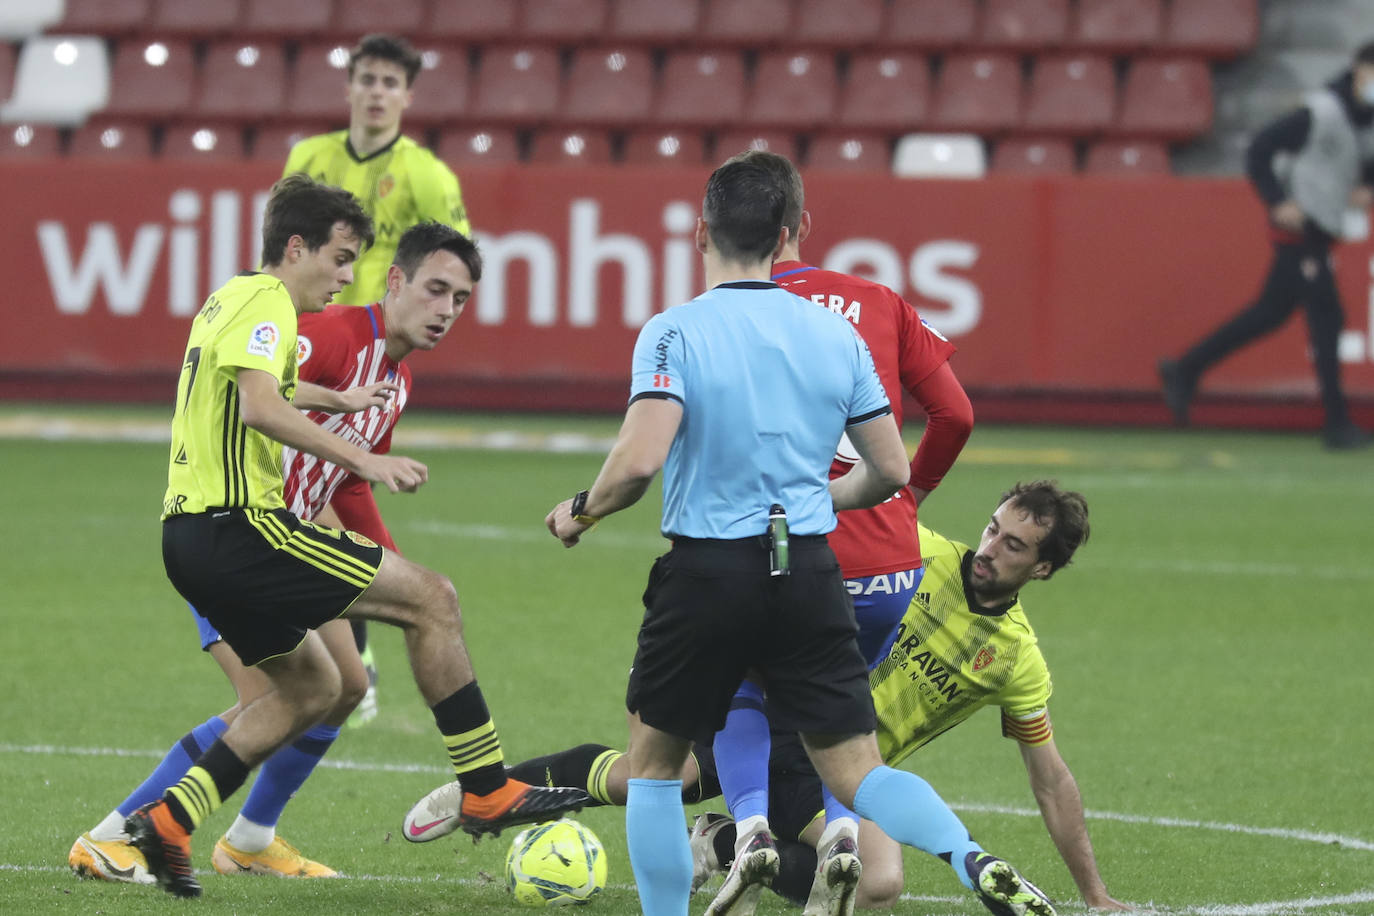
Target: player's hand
point(563, 526)
point(1288, 215)
point(378, 394)
point(398, 474)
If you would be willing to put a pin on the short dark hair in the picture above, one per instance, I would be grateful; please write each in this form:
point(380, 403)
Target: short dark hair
point(787, 175)
point(1064, 512)
point(423, 239)
point(743, 209)
point(386, 47)
point(1365, 55)
point(300, 205)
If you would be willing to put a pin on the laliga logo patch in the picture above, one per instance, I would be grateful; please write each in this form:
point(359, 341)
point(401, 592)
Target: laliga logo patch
point(931, 329)
point(263, 340)
point(984, 658)
point(303, 349)
point(360, 540)
point(385, 185)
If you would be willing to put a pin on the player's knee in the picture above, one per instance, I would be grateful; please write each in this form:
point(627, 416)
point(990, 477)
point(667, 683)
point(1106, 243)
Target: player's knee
point(440, 601)
point(879, 889)
point(352, 686)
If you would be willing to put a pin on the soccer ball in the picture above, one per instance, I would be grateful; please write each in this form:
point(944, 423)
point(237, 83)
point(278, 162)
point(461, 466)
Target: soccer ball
point(556, 863)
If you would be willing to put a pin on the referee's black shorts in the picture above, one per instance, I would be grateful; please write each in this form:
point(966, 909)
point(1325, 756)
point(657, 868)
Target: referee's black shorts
point(712, 612)
point(263, 578)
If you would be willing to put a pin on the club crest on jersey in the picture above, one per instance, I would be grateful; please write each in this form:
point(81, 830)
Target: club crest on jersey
point(385, 185)
point(303, 349)
point(360, 540)
point(263, 340)
point(986, 656)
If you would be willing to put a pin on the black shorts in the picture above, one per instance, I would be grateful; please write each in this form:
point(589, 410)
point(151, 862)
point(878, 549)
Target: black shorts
point(712, 612)
point(794, 788)
point(263, 578)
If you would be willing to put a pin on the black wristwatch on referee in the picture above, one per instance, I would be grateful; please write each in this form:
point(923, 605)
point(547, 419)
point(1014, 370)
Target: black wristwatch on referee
point(578, 511)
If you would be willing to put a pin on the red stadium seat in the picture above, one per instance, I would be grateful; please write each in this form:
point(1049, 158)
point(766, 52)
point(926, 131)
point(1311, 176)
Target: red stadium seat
point(516, 84)
point(472, 21)
point(1034, 156)
point(1218, 28)
point(242, 80)
point(571, 147)
point(797, 89)
point(1126, 157)
point(860, 152)
point(319, 81)
point(105, 138)
point(1071, 94)
point(195, 18)
point(1024, 25)
point(273, 142)
point(442, 85)
point(665, 147)
point(838, 23)
point(278, 19)
point(107, 18)
point(754, 23)
point(978, 93)
point(701, 88)
point(608, 86)
point(1117, 26)
point(203, 143)
point(152, 79)
point(563, 21)
point(29, 141)
point(656, 21)
point(355, 18)
point(730, 142)
point(886, 92)
point(476, 145)
point(1167, 98)
point(933, 25)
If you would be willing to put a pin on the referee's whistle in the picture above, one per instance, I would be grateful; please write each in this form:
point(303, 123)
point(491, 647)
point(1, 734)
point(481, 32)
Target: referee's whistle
point(778, 564)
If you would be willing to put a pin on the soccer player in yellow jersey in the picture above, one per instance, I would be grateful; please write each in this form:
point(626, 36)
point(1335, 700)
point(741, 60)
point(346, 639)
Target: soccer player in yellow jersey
point(398, 181)
point(265, 579)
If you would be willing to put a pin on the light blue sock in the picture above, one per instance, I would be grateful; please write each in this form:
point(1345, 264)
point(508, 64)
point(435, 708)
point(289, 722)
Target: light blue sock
point(655, 828)
point(285, 772)
point(741, 749)
point(175, 764)
point(911, 812)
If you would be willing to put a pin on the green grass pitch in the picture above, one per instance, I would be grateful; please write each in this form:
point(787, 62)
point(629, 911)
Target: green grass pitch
point(1210, 650)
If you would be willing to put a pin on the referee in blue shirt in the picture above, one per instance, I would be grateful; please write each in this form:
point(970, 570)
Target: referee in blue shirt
point(740, 397)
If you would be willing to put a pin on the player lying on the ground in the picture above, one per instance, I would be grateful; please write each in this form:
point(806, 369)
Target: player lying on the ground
point(964, 643)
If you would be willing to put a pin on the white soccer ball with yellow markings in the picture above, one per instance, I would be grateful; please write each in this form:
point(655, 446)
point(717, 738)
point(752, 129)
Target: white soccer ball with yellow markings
point(557, 863)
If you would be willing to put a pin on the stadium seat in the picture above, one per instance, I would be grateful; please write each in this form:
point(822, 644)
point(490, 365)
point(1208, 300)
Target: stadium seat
point(29, 141)
point(885, 92)
point(939, 156)
point(571, 147)
point(294, 19)
point(104, 138)
point(107, 18)
point(861, 152)
point(930, 25)
point(837, 23)
point(242, 80)
point(1126, 157)
point(796, 89)
point(476, 145)
point(978, 93)
point(152, 79)
point(472, 21)
point(1024, 25)
point(665, 147)
point(563, 21)
point(1217, 28)
point(608, 86)
point(203, 143)
point(59, 80)
point(195, 18)
point(1070, 94)
point(701, 88)
point(318, 81)
point(1034, 156)
point(20, 20)
point(273, 142)
point(752, 23)
point(442, 86)
point(730, 142)
point(355, 18)
point(516, 84)
point(1117, 26)
point(1167, 98)
point(660, 22)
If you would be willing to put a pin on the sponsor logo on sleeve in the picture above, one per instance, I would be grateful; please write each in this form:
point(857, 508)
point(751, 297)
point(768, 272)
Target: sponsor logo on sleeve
point(263, 340)
point(360, 540)
point(303, 349)
point(931, 329)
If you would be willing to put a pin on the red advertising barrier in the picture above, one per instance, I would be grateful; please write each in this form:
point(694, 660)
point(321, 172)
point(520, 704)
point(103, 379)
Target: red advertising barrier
point(1060, 293)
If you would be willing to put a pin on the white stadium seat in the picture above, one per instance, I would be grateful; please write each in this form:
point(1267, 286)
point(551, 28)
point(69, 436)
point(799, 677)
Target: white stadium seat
point(22, 18)
point(59, 80)
point(940, 156)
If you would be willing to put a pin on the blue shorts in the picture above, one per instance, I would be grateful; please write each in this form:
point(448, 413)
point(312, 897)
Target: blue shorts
point(208, 634)
point(879, 603)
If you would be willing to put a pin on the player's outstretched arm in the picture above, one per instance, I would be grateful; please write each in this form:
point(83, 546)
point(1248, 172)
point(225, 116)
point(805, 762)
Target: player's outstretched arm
point(310, 396)
point(1056, 792)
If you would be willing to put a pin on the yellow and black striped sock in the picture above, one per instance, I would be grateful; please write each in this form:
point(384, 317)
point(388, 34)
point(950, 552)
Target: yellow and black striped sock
point(470, 736)
point(214, 777)
point(600, 774)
